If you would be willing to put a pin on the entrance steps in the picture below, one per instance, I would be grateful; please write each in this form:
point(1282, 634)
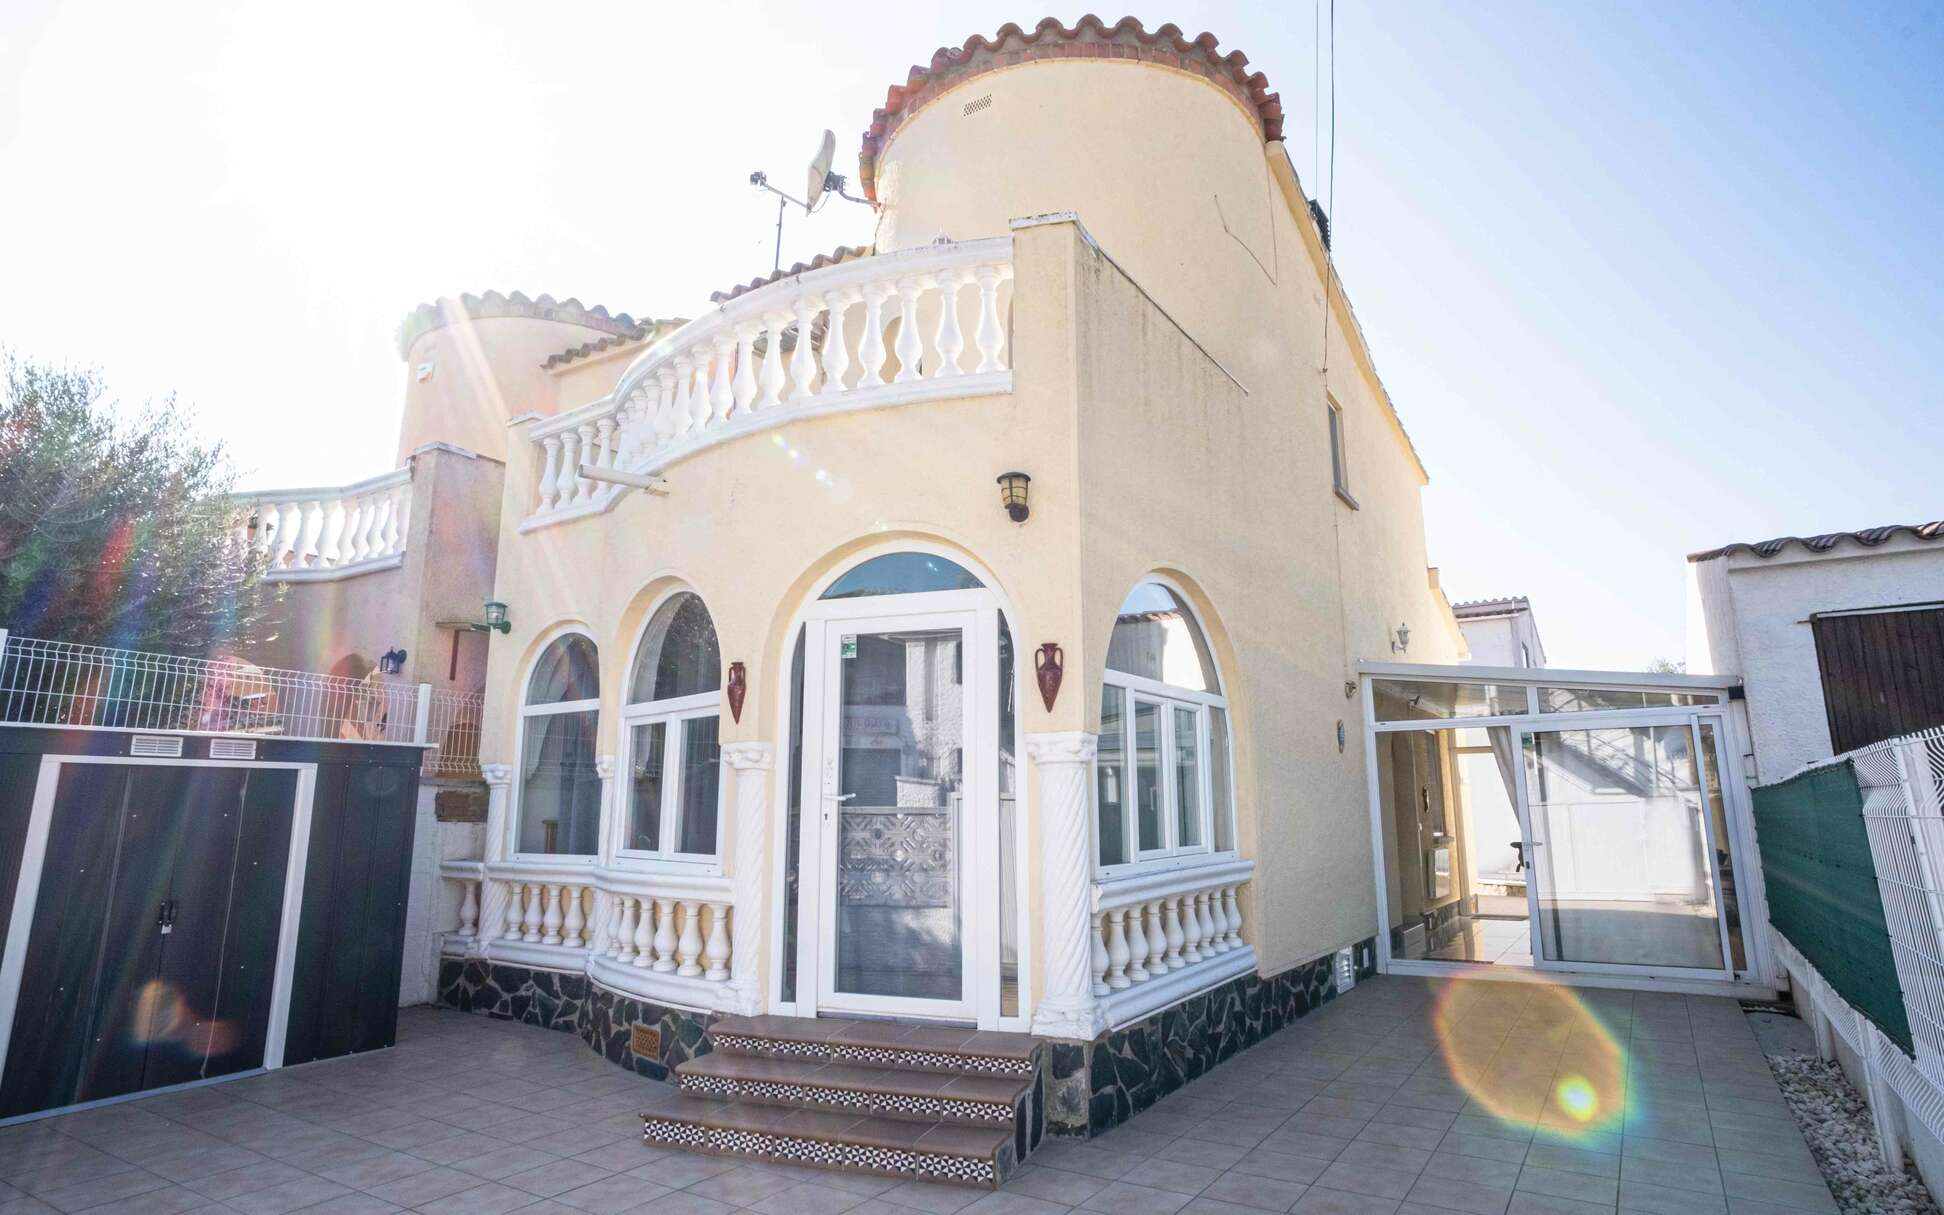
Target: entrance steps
point(925, 1102)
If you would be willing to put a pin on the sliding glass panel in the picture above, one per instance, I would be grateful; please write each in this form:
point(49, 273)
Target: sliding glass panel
point(701, 784)
point(1425, 700)
point(1188, 801)
point(1594, 700)
point(646, 744)
point(1147, 773)
point(560, 788)
point(1219, 781)
point(1622, 865)
point(1724, 846)
point(1455, 876)
point(1111, 795)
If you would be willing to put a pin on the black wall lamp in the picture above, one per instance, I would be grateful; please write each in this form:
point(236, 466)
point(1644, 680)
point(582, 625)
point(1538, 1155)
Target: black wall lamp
point(391, 662)
point(1012, 495)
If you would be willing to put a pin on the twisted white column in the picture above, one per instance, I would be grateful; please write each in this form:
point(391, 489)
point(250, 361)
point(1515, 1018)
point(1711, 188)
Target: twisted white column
point(751, 761)
point(1064, 760)
point(493, 896)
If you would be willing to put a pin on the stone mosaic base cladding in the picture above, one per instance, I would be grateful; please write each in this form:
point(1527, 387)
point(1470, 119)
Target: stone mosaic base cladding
point(576, 1005)
point(1092, 1088)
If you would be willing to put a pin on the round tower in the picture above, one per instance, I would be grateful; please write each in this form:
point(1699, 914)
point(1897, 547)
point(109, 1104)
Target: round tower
point(475, 362)
point(1159, 143)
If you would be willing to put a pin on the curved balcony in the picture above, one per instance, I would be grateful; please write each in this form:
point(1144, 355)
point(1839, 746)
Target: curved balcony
point(326, 533)
point(893, 329)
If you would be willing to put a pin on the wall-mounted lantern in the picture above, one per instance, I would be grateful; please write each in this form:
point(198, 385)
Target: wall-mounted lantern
point(1012, 495)
point(391, 662)
point(1403, 641)
point(496, 621)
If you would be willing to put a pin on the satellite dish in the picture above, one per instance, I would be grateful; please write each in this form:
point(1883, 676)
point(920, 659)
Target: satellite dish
point(819, 171)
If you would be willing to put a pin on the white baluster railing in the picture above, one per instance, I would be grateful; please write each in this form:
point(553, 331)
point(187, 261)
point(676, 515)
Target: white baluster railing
point(661, 937)
point(1161, 935)
point(893, 329)
point(328, 533)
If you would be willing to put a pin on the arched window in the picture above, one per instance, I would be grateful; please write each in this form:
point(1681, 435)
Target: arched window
point(903, 574)
point(560, 789)
point(1163, 786)
point(674, 755)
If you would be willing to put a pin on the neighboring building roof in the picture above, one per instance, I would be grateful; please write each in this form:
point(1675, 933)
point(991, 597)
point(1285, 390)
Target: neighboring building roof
point(1090, 38)
point(843, 253)
point(437, 315)
point(1869, 538)
point(1475, 609)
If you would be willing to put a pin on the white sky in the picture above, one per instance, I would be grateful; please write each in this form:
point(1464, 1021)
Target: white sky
point(1575, 240)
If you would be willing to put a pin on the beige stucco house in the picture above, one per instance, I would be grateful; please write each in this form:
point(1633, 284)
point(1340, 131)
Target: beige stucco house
point(975, 682)
point(814, 725)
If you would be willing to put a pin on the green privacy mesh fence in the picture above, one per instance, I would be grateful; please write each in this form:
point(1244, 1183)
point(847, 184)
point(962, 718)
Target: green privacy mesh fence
point(1822, 889)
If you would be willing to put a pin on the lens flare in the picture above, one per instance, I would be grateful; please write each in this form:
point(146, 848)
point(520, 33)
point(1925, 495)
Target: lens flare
point(1577, 1097)
point(1535, 1055)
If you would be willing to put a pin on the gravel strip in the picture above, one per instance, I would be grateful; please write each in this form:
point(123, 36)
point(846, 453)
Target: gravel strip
point(1836, 1122)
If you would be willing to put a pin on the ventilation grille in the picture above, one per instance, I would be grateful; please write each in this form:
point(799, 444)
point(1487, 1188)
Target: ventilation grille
point(156, 746)
point(232, 748)
point(983, 103)
point(1346, 969)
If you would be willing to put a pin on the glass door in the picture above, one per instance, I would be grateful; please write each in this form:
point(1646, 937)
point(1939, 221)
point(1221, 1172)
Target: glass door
point(1628, 843)
point(899, 805)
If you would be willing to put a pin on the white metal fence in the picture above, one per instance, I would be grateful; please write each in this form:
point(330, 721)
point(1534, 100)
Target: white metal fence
point(58, 683)
point(1902, 784)
point(1899, 780)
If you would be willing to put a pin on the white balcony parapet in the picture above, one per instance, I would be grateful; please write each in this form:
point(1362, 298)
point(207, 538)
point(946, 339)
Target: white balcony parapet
point(321, 534)
point(1163, 935)
point(893, 329)
point(662, 937)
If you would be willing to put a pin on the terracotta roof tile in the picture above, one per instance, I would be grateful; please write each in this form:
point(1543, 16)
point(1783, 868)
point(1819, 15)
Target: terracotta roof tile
point(1473, 608)
point(1090, 38)
point(649, 331)
point(1868, 537)
point(843, 253)
point(437, 315)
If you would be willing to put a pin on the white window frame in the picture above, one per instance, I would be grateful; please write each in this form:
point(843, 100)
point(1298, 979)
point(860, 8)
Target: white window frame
point(1168, 697)
point(529, 711)
point(674, 713)
point(1339, 453)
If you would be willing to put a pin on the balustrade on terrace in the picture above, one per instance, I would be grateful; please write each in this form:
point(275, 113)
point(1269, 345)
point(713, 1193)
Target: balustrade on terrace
point(321, 534)
point(885, 330)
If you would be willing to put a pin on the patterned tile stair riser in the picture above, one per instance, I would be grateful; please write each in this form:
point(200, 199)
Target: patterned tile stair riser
point(923, 1102)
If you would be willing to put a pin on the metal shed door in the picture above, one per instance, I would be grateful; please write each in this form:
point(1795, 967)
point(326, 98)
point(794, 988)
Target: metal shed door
point(154, 933)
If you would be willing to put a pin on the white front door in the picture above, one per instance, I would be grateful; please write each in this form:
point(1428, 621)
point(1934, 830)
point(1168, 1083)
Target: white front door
point(897, 744)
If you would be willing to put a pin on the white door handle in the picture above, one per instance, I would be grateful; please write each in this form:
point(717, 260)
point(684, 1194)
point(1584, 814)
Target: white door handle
point(839, 797)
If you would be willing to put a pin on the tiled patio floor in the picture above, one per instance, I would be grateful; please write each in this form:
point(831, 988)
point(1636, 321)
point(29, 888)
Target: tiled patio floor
point(1405, 1095)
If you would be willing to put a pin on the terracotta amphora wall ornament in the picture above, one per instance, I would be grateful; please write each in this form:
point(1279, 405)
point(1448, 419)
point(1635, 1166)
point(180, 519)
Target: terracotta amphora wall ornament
point(737, 687)
point(1049, 664)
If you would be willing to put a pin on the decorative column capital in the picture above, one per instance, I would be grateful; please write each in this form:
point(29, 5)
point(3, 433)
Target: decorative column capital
point(496, 776)
point(1063, 747)
point(747, 756)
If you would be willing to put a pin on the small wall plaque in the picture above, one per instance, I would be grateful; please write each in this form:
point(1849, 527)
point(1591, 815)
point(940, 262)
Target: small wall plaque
point(645, 1041)
point(459, 806)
